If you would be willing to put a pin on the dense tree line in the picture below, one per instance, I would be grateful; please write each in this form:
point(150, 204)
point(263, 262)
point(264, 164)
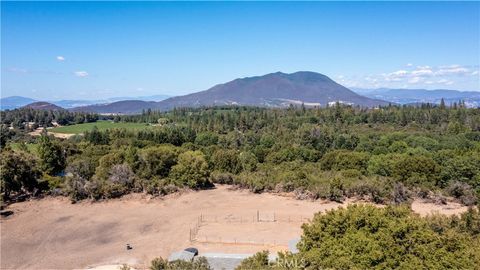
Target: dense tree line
point(17, 117)
point(386, 154)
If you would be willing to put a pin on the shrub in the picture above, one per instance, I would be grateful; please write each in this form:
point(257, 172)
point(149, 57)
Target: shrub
point(368, 237)
point(199, 263)
point(51, 182)
point(400, 194)
point(302, 194)
point(351, 173)
point(157, 161)
point(18, 173)
point(336, 190)
point(227, 161)
point(120, 181)
point(206, 139)
point(75, 187)
point(344, 160)
point(82, 167)
point(248, 161)
point(257, 261)
point(415, 170)
point(191, 170)
point(376, 190)
point(221, 178)
point(463, 192)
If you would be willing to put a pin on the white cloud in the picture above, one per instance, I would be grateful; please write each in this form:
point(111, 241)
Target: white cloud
point(415, 80)
point(452, 70)
point(423, 72)
point(396, 76)
point(60, 58)
point(409, 65)
point(81, 74)
point(418, 76)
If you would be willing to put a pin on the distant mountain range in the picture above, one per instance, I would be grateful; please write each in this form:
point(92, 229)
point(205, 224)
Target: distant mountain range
point(274, 90)
point(270, 90)
point(13, 102)
point(416, 96)
point(119, 107)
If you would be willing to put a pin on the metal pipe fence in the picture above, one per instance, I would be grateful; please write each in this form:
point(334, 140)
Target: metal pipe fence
point(257, 217)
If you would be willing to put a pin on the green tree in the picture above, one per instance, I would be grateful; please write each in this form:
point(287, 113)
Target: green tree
point(18, 173)
point(415, 169)
point(191, 170)
point(157, 161)
point(257, 261)
point(52, 158)
point(248, 161)
point(367, 237)
point(226, 161)
point(206, 139)
point(344, 160)
point(199, 263)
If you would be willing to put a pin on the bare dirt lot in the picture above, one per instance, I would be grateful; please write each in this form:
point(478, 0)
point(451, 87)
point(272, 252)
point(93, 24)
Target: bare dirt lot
point(38, 132)
point(52, 233)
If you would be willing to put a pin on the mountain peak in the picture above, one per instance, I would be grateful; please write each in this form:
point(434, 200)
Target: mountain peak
point(41, 105)
point(276, 89)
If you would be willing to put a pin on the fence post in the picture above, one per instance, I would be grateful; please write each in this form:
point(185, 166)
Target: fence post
point(258, 215)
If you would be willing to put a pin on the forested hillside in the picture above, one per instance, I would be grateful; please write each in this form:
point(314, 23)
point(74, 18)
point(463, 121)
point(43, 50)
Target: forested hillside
point(391, 154)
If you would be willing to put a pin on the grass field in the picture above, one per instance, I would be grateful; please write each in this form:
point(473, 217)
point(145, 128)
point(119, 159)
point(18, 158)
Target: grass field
point(29, 147)
point(101, 125)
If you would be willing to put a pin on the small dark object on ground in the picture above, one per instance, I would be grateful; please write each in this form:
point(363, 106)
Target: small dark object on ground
point(192, 250)
point(21, 198)
point(6, 213)
point(129, 247)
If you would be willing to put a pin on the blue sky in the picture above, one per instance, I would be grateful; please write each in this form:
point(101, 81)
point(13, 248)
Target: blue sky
point(91, 50)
